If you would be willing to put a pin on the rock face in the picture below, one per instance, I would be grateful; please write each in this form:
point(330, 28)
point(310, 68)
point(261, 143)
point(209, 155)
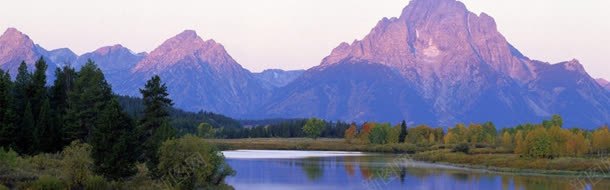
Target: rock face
point(16, 47)
point(115, 61)
point(604, 83)
point(200, 75)
point(273, 78)
point(464, 70)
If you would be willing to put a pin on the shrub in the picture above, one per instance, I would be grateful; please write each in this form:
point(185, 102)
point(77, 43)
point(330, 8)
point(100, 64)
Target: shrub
point(76, 163)
point(46, 182)
point(8, 157)
point(379, 134)
point(462, 147)
point(189, 162)
point(96, 183)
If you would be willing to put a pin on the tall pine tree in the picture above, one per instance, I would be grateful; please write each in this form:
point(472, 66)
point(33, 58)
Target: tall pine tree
point(25, 143)
point(46, 132)
point(85, 102)
point(403, 132)
point(156, 116)
point(62, 86)
point(23, 109)
point(114, 143)
point(7, 111)
point(37, 88)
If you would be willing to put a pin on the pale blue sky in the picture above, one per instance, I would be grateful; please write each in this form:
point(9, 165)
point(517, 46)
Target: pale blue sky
point(297, 34)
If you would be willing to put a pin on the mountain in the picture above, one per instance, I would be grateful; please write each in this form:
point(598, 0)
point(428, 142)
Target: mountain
point(115, 61)
point(274, 78)
point(200, 75)
point(457, 63)
point(604, 83)
point(345, 92)
point(437, 63)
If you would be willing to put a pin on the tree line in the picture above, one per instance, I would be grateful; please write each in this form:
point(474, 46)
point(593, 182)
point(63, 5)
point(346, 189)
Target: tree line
point(286, 128)
point(545, 140)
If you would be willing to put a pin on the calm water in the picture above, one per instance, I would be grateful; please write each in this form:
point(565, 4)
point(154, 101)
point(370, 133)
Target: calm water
point(320, 170)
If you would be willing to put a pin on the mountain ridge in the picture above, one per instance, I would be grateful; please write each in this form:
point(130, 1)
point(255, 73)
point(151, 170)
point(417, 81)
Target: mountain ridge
point(437, 63)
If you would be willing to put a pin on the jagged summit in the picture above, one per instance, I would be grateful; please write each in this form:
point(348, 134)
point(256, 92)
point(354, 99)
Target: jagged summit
point(185, 48)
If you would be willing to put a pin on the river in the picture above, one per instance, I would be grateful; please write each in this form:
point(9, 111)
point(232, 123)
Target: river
point(320, 170)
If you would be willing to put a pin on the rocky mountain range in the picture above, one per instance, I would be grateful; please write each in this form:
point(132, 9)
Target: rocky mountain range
point(437, 63)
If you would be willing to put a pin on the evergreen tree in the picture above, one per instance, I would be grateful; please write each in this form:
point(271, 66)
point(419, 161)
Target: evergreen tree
point(45, 132)
point(20, 90)
point(113, 143)
point(156, 105)
point(85, 102)
point(26, 136)
point(37, 88)
point(403, 132)
point(63, 84)
point(7, 115)
point(154, 127)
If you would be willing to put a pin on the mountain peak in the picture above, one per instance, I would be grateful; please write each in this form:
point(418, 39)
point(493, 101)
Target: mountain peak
point(15, 47)
point(12, 37)
point(185, 48)
point(573, 65)
point(108, 49)
point(14, 33)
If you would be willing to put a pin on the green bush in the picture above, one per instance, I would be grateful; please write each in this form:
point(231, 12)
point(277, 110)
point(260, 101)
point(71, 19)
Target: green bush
point(8, 157)
point(462, 147)
point(189, 162)
point(2, 187)
point(96, 183)
point(77, 163)
point(47, 183)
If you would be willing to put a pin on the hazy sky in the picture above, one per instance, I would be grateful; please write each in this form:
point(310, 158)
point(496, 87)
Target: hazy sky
point(297, 34)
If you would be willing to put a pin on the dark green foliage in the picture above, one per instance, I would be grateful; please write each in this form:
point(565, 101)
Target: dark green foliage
point(403, 132)
point(46, 133)
point(205, 130)
point(26, 133)
point(462, 147)
point(21, 85)
point(90, 94)
point(62, 86)
point(285, 128)
point(154, 127)
point(184, 122)
point(313, 128)
point(113, 143)
point(379, 134)
point(151, 146)
point(7, 115)
point(157, 104)
point(37, 88)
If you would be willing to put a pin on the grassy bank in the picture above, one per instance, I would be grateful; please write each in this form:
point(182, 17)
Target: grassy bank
point(324, 144)
point(512, 163)
point(497, 160)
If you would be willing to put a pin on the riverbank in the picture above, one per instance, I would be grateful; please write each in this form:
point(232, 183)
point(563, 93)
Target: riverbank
point(493, 160)
point(321, 144)
point(512, 163)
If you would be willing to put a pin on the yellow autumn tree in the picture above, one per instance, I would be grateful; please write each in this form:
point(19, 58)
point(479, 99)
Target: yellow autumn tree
point(576, 145)
point(507, 140)
point(351, 133)
point(519, 143)
point(432, 138)
point(600, 140)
